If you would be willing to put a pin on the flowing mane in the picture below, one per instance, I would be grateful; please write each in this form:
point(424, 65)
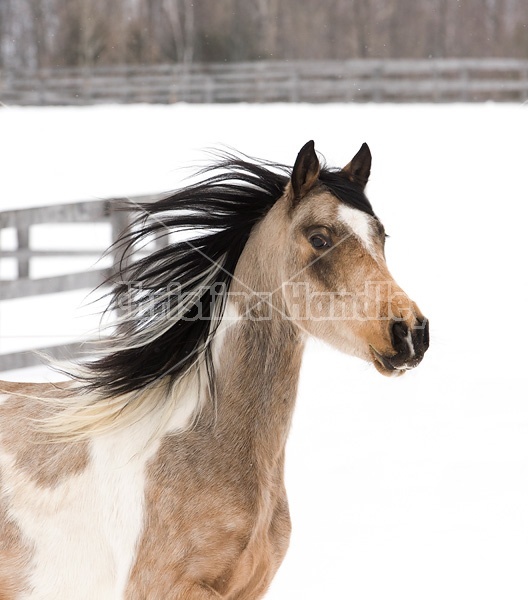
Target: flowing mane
point(173, 299)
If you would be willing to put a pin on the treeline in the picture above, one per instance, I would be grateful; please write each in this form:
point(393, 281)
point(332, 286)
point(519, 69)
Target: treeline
point(45, 33)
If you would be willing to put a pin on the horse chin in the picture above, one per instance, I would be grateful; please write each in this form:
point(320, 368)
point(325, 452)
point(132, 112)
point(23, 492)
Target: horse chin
point(383, 366)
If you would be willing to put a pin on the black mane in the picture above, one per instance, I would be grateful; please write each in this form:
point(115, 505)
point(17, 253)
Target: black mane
point(161, 335)
point(347, 191)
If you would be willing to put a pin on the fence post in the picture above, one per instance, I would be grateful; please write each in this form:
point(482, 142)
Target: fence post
point(524, 79)
point(377, 76)
point(23, 247)
point(86, 85)
point(464, 76)
point(209, 89)
point(41, 87)
point(437, 94)
point(294, 87)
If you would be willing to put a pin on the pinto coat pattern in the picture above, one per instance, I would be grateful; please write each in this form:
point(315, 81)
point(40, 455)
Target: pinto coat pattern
point(157, 472)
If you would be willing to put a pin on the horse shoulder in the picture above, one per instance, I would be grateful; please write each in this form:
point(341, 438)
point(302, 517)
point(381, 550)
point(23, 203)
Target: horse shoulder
point(32, 466)
point(208, 529)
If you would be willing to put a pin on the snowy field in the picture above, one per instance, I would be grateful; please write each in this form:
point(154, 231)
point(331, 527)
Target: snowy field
point(415, 488)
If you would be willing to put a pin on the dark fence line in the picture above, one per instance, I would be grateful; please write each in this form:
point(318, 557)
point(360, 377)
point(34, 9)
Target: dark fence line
point(369, 80)
point(30, 358)
point(23, 220)
point(101, 211)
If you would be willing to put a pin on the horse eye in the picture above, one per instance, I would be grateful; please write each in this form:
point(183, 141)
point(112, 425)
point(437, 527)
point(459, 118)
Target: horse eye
point(319, 241)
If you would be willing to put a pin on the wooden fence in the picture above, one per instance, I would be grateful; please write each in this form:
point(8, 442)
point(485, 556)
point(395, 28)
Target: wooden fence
point(23, 285)
point(445, 80)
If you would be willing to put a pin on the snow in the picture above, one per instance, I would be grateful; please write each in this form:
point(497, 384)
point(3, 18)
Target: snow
point(409, 488)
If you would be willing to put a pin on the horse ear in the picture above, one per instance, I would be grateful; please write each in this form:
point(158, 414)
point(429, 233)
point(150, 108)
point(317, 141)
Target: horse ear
point(305, 171)
point(358, 169)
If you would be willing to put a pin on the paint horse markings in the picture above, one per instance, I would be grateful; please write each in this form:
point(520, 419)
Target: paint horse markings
point(160, 472)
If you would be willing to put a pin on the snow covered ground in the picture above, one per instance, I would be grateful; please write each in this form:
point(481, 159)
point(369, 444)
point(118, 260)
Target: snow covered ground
point(414, 488)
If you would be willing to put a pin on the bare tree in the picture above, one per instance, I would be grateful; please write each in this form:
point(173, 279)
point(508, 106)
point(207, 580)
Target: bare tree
point(180, 18)
point(40, 33)
point(267, 26)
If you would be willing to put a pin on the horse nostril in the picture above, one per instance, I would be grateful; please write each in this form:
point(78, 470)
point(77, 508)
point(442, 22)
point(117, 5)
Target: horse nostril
point(422, 333)
point(399, 335)
point(425, 334)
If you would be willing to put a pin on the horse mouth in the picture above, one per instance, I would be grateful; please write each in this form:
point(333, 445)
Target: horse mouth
point(385, 366)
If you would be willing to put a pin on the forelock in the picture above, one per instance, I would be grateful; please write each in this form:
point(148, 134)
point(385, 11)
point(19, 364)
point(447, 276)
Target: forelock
point(345, 190)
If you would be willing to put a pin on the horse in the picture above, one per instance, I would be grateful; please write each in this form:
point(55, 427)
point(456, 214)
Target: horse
point(157, 470)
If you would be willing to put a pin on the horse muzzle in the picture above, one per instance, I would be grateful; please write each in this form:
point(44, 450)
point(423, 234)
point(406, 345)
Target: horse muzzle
point(409, 343)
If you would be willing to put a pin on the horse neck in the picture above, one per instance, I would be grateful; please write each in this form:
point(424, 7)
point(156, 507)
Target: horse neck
point(260, 352)
point(256, 385)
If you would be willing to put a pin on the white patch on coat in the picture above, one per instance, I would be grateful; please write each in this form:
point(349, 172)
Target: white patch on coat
point(358, 223)
point(85, 530)
point(189, 395)
point(230, 318)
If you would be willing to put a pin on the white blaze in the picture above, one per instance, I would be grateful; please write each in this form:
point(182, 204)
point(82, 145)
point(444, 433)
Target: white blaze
point(358, 223)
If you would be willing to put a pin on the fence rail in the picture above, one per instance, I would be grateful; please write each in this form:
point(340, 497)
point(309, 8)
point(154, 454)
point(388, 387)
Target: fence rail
point(23, 285)
point(442, 80)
